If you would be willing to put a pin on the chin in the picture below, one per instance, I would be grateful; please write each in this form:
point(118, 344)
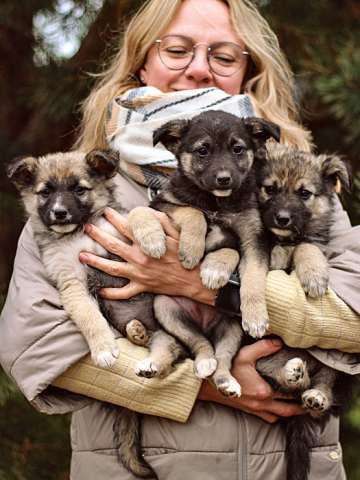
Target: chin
point(66, 228)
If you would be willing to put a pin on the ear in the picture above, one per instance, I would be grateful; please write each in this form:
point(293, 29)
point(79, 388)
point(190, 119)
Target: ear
point(261, 129)
point(102, 163)
point(170, 134)
point(22, 172)
point(336, 172)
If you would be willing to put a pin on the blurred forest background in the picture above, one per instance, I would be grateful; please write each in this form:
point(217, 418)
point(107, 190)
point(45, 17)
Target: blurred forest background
point(47, 50)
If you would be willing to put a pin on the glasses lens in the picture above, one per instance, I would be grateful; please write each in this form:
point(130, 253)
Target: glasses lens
point(175, 52)
point(226, 58)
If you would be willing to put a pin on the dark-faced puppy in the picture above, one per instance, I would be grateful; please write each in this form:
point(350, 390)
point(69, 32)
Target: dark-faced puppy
point(296, 199)
point(212, 201)
point(296, 192)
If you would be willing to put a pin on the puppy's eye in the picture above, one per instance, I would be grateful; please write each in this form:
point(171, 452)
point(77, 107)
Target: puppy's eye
point(238, 149)
point(45, 192)
point(202, 151)
point(270, 189)
point(304, 194)
point(79, 190)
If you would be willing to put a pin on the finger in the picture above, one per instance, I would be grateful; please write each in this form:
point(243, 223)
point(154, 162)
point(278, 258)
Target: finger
point(285, 409)
point(268, 417)
point(124, 293)
point(261, 348)
point(119, 222)
point(109, 242)
point(168, 227)
point(112, 267)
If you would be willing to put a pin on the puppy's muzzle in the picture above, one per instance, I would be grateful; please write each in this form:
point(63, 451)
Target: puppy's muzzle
point(223, 180)
point(282, 219)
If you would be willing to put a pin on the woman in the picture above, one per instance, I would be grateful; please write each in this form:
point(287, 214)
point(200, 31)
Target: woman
point(216, 442)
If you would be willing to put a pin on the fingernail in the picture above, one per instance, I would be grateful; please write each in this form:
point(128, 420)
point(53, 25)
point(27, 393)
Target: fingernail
point(276, 342)
point(83, 258)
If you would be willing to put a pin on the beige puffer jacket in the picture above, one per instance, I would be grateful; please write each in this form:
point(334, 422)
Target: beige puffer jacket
point(40, 345)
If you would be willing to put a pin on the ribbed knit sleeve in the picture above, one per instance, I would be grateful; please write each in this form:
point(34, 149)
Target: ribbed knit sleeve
point(171, 397)
point(303, 322)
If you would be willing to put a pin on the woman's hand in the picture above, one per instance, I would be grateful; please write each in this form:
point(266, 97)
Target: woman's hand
point(146, 274)
point(257, 398)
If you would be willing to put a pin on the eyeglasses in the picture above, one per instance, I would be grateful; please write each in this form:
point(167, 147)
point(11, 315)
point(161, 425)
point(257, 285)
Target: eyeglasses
point(176, 52)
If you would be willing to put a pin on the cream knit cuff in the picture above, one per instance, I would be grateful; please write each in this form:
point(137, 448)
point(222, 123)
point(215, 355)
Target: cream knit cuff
point(303, 322)
point(172, 397)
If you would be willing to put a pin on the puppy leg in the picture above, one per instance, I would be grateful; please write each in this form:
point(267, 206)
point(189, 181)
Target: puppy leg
point(312, 269)
point(176, 321)
point(218, 266)
point(227, 338)
point(85, 313)
point(147, 231)
point(193, 227)
point(164, 351)
point(253, 271)
point(281, 257)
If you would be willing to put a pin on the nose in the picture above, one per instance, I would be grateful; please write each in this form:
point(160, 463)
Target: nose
point(199, 69)
point(283, 218)
point(60, 213)
point(223, 179)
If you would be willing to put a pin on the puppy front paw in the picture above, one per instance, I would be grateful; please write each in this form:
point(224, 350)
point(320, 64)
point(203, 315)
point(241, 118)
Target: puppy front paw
point(147, 232)
point(217, 267)
point(191, 251)
point(314, 280)
point(104, 354)
point(294, 375)
point(255, 320)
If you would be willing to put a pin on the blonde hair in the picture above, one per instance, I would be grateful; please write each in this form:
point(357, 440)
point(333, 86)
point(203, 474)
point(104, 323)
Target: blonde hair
point(269, 82)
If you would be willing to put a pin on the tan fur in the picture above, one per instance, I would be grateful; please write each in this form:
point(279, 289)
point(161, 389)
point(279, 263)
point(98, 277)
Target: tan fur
point(311, 268)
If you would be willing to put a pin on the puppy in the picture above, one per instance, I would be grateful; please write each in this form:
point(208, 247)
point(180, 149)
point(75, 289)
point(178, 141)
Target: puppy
point(62, 192)
point(296, 200)
point(211, 200)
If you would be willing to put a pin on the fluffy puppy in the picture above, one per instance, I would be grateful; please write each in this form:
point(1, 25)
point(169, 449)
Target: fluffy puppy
point(212, 201)
point(62, 192)
point(296, 194)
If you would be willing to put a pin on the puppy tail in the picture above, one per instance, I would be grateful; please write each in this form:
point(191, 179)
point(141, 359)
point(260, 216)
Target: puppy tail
point(301, 436)
point(127, 438)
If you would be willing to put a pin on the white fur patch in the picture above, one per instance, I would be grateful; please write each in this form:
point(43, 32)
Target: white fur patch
point(67, 228)
point(222, 193)
point(294, 371)
point(230, 388)
point(146, 368)
point(281, 233)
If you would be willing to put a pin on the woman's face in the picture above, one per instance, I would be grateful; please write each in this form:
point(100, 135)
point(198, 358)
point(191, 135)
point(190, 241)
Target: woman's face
point(206, 22)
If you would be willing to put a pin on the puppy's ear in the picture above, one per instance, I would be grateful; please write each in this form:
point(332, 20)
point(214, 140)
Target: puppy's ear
point(22, 172)
point(102, 163)
point(336, 173)
point(170, 134)
point(261, 129)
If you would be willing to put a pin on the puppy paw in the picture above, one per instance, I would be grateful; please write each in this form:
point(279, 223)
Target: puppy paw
point(314, 281)
point(216, 268)
point(315, 401)
point(255, 320)
point(228, 386)
point(205, 367)
point(147, 232)
point(294, 374)
point(147, 368)
point(191, 252)
point(105, 355)
point(137, 333)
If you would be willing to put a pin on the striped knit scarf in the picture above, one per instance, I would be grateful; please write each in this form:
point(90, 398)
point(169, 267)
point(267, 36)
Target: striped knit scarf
point(133, 117)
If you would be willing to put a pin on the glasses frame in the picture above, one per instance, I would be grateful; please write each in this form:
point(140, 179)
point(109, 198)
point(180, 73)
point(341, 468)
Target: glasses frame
point(192, 56)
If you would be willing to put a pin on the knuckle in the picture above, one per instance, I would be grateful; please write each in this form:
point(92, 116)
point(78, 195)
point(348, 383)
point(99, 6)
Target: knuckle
point(113, 269)
point(263, 392)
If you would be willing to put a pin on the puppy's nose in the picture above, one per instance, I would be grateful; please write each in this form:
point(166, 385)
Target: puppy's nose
point(283, 218)
point(60, 213)
point(223, 179)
